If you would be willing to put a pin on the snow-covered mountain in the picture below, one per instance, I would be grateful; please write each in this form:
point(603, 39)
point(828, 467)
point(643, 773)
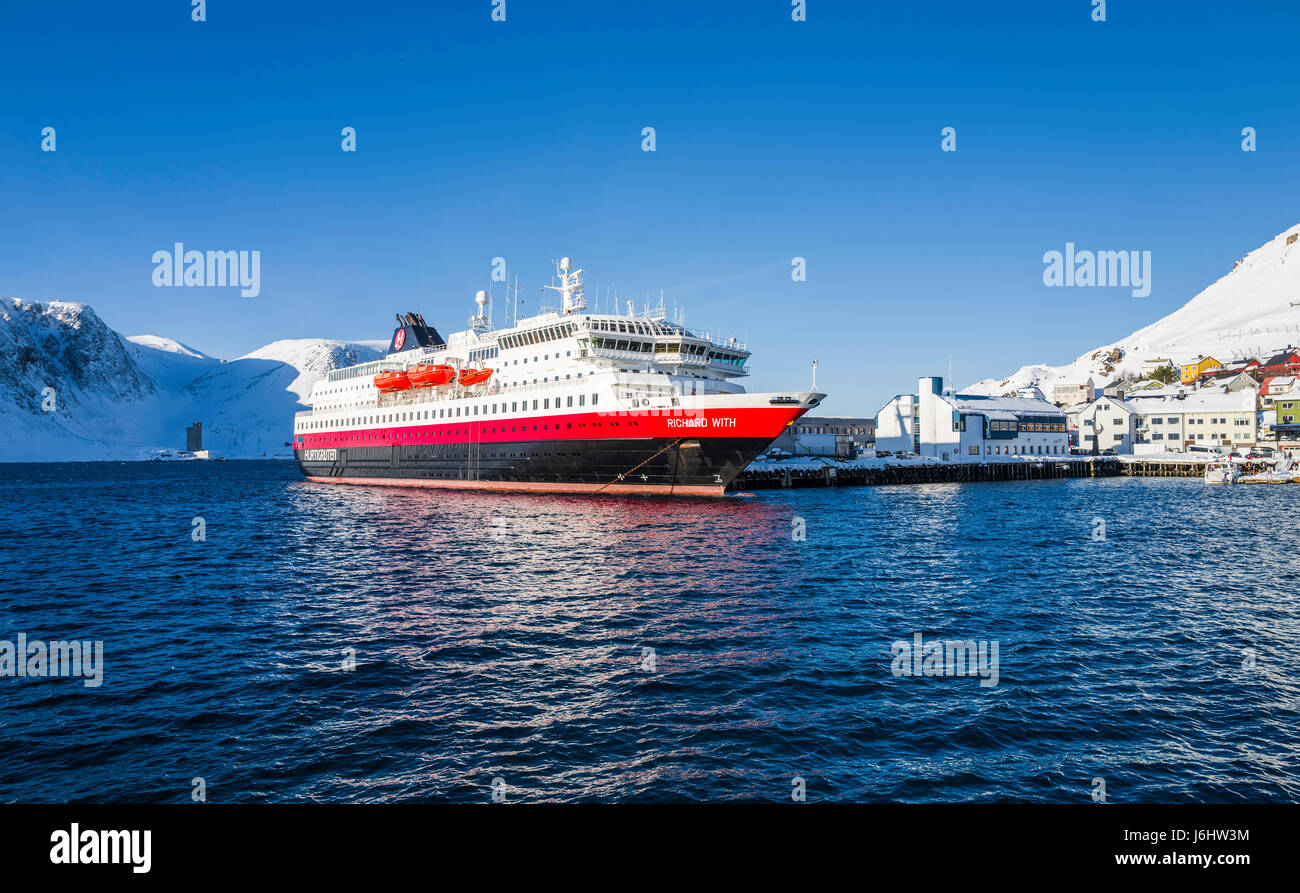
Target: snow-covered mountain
point(1248, 312)
point(115, 397)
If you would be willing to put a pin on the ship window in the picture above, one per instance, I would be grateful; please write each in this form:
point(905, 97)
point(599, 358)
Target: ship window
point(594, 399)
point(582, 399)
point(570, 401)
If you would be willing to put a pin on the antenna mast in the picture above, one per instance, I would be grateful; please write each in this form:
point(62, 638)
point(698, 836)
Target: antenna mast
point(570, 287)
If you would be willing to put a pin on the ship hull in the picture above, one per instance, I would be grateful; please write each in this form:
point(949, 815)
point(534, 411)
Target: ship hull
point(679, 466)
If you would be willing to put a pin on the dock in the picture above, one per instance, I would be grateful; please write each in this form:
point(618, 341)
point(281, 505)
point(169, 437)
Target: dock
point(829, 473)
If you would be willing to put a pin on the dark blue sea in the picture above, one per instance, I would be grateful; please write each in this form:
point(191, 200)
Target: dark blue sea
point(368, 644)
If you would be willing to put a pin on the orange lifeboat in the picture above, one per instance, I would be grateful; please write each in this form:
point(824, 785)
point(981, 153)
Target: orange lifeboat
point(423, 376)
point(474, 376)
point(388, 382)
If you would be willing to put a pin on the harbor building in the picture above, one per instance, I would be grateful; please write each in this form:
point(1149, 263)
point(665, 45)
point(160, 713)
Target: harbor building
point(833, 437)
point(1106, 424)
point(971, 427)
point(1204, 419)
point(194, 438)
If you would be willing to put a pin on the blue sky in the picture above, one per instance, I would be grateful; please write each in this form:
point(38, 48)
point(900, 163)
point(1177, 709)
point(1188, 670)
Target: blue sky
point(775, 139)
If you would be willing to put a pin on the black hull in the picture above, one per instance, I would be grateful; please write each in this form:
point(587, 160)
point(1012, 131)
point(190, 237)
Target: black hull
point(703, 466)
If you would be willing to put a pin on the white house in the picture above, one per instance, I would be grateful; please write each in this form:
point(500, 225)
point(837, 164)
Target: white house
point(1149, 366)
point(1273, 387)
point(1107, 424)
point(1065, 394)
point(969, 427)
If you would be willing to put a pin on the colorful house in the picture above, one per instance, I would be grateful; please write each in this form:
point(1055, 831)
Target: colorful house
point(1191, 372)
point(1287, 427)
point(1284, 362)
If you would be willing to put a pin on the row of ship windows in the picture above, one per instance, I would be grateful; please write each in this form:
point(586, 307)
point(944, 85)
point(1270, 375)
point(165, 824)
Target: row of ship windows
point(636, 345)
point(634, 326)
point(447, 413)
point(538, 336)
point(545, 356)
point(668, 347)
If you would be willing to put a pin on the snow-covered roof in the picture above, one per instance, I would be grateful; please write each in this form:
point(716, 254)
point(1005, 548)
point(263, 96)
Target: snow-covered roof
point(1157, 393)
point(1011, 407)
point(1111, 402)
point(1281, 357)
point(1204, 400)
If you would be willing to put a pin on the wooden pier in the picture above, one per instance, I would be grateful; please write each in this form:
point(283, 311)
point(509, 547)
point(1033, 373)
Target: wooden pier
point(1164, 468)
point(831, 475)
point(757, 477)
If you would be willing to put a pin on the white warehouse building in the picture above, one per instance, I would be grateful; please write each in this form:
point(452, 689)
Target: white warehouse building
point(970, 427)
point(1206, 419)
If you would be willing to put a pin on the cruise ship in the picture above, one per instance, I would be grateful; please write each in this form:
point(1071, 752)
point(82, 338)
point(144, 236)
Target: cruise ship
point(563, 401)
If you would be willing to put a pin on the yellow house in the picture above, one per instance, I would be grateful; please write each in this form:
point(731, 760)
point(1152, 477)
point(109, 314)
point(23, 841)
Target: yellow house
point(1198, 367)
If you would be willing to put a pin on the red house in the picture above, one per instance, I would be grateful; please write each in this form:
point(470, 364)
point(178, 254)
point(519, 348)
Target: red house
point(1285, 362)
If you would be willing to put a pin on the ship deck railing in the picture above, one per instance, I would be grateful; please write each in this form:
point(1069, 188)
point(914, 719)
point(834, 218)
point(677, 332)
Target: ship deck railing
point(435, 395)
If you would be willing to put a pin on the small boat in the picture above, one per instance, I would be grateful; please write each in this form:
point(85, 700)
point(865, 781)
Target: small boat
point(474, 376)
point(388, 382)
point(423, 376)
point(1222, 471)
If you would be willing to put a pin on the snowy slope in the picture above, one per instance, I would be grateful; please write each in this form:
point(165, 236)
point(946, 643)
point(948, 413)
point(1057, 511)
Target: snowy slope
point(125, 398)
point(169, 363)
point(1246, 313)
point(250, 402)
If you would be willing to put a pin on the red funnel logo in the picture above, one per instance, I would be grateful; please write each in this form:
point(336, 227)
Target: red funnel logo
point(399, 339)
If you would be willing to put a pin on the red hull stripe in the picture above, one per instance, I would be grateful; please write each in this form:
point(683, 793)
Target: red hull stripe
point(766, 422)
point(517, 486)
